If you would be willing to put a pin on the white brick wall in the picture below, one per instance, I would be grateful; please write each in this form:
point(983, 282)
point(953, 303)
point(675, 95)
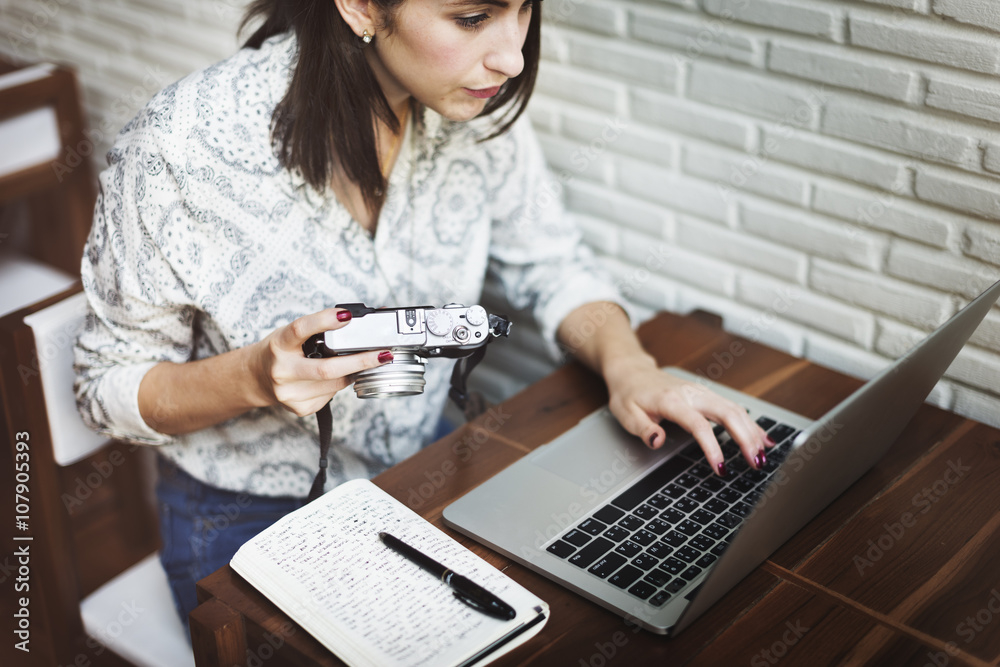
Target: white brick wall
point(823, 173)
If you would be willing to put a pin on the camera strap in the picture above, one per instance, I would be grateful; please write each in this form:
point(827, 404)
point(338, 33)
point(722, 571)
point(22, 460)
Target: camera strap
point(324, 418)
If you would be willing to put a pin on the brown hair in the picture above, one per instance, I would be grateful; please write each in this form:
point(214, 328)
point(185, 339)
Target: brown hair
point(341, 107)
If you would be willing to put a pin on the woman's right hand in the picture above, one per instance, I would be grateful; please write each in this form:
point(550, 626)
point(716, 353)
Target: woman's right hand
point(285, 376)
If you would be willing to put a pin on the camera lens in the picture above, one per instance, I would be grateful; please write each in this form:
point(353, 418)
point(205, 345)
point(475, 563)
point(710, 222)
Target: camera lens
point(403, 376)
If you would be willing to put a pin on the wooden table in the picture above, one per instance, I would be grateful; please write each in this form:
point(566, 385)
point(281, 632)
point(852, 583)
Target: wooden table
point(903, 568)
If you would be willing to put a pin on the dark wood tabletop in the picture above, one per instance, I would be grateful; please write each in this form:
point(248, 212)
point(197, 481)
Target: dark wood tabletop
point(902, 569)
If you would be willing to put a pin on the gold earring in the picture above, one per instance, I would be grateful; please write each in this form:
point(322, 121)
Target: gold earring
point(367, 37)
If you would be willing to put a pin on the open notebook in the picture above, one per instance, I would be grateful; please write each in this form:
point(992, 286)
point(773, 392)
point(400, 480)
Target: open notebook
point(325, 567)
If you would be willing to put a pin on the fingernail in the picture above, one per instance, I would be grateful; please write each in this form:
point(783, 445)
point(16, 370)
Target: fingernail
point(722, 469)
point(344, 315)
point(652, 440)
point(770, 442)
point(385, 356)
point(758, 460)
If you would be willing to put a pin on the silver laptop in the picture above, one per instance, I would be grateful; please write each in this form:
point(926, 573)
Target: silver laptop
point(654, 535)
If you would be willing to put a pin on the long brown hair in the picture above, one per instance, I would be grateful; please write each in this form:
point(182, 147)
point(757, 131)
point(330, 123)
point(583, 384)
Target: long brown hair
point(335, 94)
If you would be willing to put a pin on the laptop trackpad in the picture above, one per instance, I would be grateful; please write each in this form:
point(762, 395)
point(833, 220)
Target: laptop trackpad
point(598, 455)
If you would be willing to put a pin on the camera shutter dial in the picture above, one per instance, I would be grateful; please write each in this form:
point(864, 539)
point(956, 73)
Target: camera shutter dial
point(439, 322)
point(476, 315)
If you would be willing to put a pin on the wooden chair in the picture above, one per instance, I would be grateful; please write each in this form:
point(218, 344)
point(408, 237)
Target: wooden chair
point(97, 592)
point(44, 164)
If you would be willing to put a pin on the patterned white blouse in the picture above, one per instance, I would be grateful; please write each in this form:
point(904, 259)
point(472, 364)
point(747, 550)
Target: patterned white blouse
point(202, 243)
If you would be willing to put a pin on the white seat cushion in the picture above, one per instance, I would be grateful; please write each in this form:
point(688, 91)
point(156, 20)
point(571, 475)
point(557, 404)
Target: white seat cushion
point(55, 331)
point(25, 281)
point(134, 616)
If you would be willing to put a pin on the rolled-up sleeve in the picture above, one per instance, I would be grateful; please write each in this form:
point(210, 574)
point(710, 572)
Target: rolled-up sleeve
point(537, 253)
point(139, 312)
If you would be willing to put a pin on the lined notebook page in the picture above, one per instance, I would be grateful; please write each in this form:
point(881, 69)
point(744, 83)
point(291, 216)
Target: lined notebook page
point(326, 567)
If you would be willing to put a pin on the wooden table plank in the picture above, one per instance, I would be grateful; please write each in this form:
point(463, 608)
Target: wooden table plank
point(925, 552)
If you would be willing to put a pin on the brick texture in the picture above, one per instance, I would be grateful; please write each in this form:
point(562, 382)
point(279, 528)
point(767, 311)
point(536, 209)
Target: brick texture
point(825, 174)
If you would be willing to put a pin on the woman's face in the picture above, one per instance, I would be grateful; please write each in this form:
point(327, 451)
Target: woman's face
point(451, 55)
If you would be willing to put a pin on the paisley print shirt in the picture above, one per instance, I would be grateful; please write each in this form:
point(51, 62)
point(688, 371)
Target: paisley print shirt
point(202, 242)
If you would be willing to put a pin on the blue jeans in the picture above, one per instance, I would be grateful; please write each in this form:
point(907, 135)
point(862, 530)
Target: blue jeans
point(202, 527)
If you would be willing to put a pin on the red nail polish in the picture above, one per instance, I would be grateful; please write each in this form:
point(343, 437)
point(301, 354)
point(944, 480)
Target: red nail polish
point(385, 356)
point(770, 442)
point(722, 469)
point(344, 315)
point(758, 460)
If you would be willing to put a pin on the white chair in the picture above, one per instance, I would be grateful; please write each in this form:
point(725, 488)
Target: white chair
point(98, 589)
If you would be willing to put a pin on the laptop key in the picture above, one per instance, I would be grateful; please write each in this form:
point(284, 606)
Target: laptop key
point(716, 531)
point(659, 502)
point(765, 423)
point(657, 577)
point(645, 561)
point(729, 495)
point(689, 527)
point(608, 514)
point(705, 560)
point(616, 533)
point(643, 537)
point(576, 537)
point(781, 432)
point(672, 515)
point(659, 599)
point(587, 555)
point(676, 585)
point(699, 494)
point(701, 542)
point(658, 526)
point(673, 491)
point(742, 485)
point(703, 517)
point(561, 549)
point(659, 550)
point(592, 526)
point(606, 565)
point(729, 520)
point(712, 484)
point(625, 577)
point(642, 590)
point(651, 483)
point(645, 512)
point(674, 539)
point(688, 481)
point(691, 572)
point(672, 566)
point(631, 522)
point(716, 506)
point(685, 505)
point(740, 509)
point(687, 554)
point(719, 548)
point(628, 548)
point(701, 470)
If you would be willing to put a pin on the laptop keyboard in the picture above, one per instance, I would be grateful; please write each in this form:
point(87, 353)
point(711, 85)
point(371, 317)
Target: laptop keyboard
point(657, 536)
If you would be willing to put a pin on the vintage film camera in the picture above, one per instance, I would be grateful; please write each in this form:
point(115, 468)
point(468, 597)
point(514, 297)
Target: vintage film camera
point(414, 334)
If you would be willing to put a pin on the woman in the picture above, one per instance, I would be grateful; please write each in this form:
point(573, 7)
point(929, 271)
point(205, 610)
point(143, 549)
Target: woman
point(355, 151)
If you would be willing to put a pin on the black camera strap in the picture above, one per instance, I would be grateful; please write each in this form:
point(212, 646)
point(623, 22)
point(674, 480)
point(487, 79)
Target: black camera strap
point(325, 420)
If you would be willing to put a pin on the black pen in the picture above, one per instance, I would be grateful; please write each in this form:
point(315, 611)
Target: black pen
point(465, 590)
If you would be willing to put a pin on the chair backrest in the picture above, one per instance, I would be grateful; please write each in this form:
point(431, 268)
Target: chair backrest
point(45, 160)
point(90, 517)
